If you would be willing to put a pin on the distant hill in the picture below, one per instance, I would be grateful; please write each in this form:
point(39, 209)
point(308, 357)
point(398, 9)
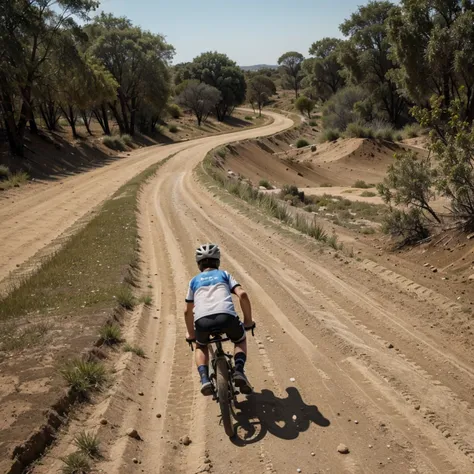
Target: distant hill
point(257, 67)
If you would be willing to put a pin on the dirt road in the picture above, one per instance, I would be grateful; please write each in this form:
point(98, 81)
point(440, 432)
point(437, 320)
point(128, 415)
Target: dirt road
point(343, 354)
point(34, 220)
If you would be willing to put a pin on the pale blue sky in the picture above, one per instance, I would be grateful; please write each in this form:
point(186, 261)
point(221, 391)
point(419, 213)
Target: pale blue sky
point(248, 31)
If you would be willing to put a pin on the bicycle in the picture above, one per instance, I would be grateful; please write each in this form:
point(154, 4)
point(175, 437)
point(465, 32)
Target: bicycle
point(221, 371)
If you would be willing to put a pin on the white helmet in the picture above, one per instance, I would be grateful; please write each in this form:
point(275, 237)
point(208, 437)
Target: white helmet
point(208, 251)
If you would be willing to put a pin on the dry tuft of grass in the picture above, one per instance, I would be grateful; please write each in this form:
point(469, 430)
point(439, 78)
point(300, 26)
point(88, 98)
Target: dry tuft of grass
point(88, 444)
point(83, 376)
point(135, 349)
point(110, 334)
point(76, 463)
point(147, 300)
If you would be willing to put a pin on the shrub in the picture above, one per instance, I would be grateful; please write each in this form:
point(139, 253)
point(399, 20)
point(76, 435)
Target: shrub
point(221, 152)
point(313, 148)
point(361, 184)
point(175, 111)
point(135, 349)
point(313, 123)
point(15, 180)
point(82, 376)
point(114, 143)
point(4, 172)
point(301, 143)
point(305, 105)
point(387, 134)
point(265, 184)
point(340, 110)
point(356, 130)
point(88, 444)
point(368, 194)
point(409, 226)
point(76, 463)
point(330, 135)
point(173, 128)
point(125, 298)
point(290, 189)
point(147, 300)
point(110, 334)
point(127, 139)
point(412, 130)
point(248, 117)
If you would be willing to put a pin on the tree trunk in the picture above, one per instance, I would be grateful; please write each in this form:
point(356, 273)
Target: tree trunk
point(33, 126)
point(71, 117)
point(123, 106)
point(15, 140)
point(87, 121)
point(118, 118)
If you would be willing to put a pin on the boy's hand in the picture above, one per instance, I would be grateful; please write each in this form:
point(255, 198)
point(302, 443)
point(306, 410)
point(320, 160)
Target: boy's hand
point(190, 336)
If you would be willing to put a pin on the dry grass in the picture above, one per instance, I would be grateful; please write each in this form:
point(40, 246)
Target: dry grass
point(83, 376)
point(76, 463)
point(135, 349)
point(88, 444)
point(110, 334)
point(8, 180)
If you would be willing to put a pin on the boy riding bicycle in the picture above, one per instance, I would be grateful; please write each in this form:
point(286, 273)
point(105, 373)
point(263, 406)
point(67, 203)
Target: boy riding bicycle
point(209, 309)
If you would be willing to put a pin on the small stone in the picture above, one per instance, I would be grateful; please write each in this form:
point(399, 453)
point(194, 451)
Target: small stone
point(434, 270)
point(103, 421)
point(298, 470)
point(313, 454)
point(141, 393)
point(292, 379)
point(186, 441)
point(389, 345)
point(343, 449)
point(370, 446)
point(132, 433)
point(356, 422)
point(135, 460)
point(158, 415)
point(417, 407)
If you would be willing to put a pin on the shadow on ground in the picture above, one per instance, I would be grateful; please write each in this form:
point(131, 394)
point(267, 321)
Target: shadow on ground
point(285, 418)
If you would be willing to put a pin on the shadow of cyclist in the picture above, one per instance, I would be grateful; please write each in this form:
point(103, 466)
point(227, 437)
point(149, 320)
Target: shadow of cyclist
point(285, 418)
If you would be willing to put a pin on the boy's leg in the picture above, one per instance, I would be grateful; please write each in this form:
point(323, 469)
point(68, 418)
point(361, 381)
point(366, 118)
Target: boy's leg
point(202, 363)
point(240, 357)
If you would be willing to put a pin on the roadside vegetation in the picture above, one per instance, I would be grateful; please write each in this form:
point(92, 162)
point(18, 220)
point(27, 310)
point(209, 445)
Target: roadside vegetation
point(273, 205)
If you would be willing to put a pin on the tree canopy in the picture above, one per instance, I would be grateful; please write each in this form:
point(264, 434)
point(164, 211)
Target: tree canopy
point(291, 63)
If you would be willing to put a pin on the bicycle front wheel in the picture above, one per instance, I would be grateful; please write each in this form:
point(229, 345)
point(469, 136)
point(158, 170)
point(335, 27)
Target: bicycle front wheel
point(222, 381)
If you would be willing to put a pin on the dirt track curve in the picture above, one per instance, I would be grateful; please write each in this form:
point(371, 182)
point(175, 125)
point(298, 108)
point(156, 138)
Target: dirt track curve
point(323, 361)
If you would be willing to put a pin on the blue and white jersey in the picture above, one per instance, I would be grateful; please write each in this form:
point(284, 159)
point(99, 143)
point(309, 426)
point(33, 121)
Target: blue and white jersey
point(211, 293)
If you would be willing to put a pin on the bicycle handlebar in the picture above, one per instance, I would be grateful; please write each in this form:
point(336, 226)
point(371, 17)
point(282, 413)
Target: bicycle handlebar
point(223, 339)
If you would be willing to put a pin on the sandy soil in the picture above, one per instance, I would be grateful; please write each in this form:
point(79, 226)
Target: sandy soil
point(347, 350)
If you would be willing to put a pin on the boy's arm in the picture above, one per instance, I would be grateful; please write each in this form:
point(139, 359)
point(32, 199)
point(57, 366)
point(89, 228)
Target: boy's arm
point(245, 305)
point(189, 319)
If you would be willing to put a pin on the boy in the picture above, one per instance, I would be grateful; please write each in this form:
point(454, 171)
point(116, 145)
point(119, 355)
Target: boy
point(209, 308)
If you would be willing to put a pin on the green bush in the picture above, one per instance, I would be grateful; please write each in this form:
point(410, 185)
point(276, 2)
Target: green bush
point(409, 226)
point(289, 189)
point(313, 123)
point(387, 134)
point(265, 183)
point(4, 172)
point(248, 117)
point(110, 334)
point(330, 135)
point(76, 463)
point(368, 194)
point(356, 130)
point(361, 184)
point(127, 139)
point(412, 130)
point(301, 143)
point(114, 143)
point(175, 111)
point(173, 128)
point(82, 376)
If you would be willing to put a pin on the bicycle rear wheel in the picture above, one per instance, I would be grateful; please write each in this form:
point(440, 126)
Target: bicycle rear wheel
point(222, 381)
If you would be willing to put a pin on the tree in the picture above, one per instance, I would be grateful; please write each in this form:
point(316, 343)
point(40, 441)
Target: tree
point(291, 63)
point(200, 98)
point(452, 143)
point(138, 61)
point(409, 182)
point(217, 70)
point(28, 34)
point(305, 105)
point(323, 71)
point(366, 59)
point(259, 91)
point(432, 42)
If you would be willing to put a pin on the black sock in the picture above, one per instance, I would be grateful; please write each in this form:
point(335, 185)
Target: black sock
point(204, 373)
point(240, 359)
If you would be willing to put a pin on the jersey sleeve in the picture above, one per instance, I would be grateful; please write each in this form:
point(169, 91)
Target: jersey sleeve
point(233, 283)
point(190, 293)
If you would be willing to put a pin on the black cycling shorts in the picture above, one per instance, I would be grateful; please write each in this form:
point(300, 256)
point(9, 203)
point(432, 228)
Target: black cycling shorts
point(222, 323)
